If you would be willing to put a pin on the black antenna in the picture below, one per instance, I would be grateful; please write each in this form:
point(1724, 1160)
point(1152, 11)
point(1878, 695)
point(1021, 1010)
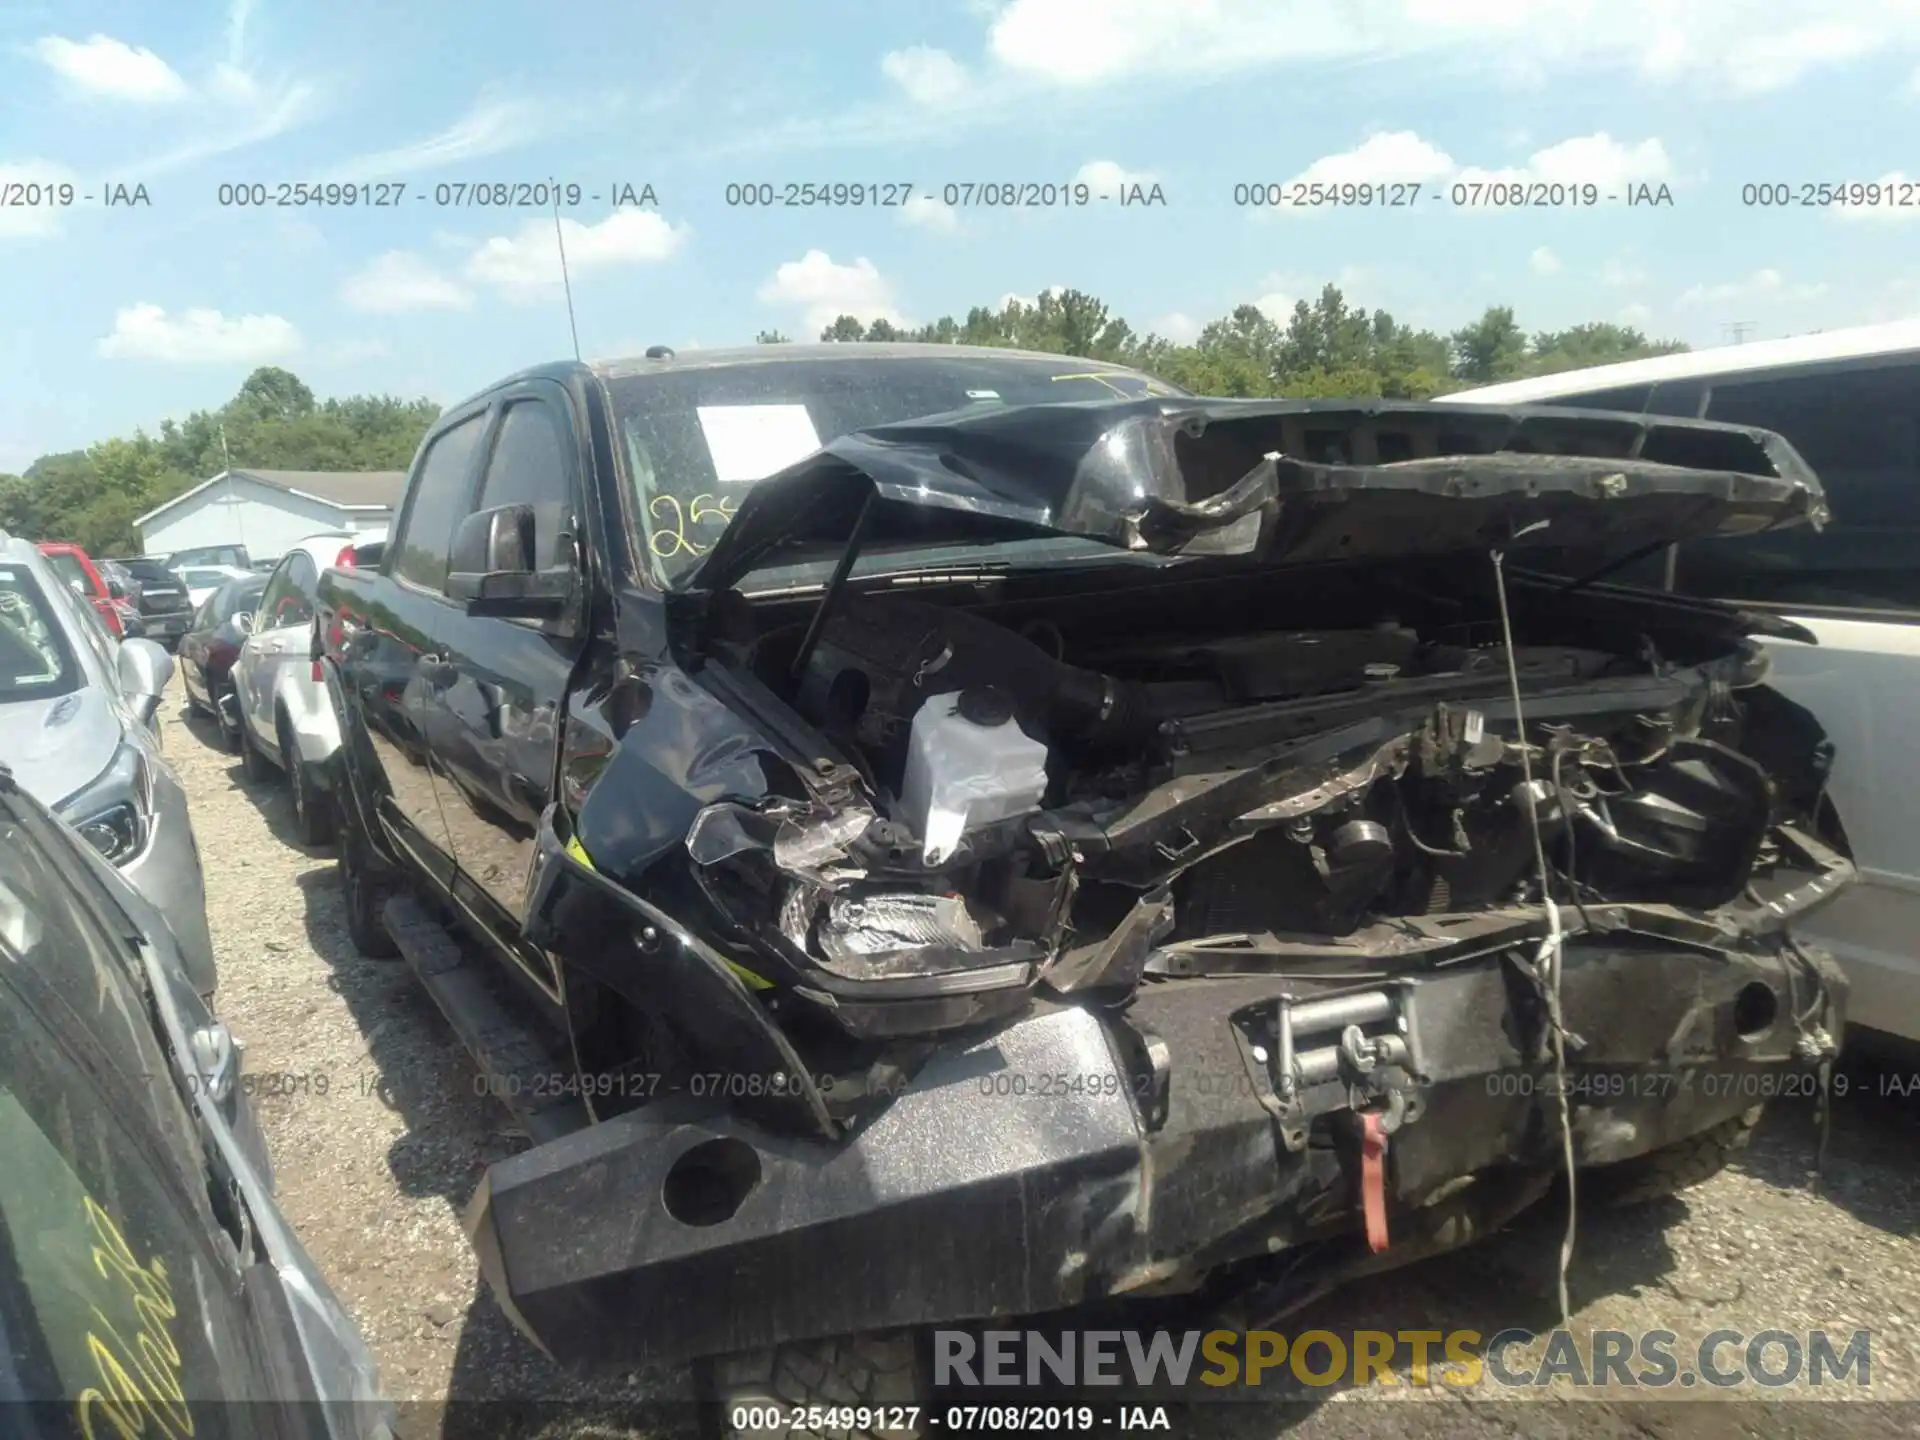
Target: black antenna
point(561, 240)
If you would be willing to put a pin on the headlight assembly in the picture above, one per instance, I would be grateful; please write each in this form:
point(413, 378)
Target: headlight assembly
point(115, 812)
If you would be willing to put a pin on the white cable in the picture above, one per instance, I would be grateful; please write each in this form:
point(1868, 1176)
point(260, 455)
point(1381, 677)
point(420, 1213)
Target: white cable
point(1546, 960)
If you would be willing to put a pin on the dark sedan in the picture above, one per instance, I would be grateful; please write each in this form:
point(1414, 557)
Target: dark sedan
point(208, 650)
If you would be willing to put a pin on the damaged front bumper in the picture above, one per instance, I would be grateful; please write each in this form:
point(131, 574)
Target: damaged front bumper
point(1214, 1121)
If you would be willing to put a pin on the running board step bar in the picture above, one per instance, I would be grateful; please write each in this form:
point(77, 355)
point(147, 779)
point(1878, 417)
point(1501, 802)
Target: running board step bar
point(519, 1067)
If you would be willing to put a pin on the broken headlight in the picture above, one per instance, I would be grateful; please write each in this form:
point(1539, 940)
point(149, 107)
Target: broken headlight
point(907, 942)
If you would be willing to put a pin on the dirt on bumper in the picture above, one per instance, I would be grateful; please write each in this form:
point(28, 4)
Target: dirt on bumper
point(1075, 1156)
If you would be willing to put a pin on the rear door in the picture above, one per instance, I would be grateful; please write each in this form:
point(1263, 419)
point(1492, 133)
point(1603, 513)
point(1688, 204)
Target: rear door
point(281, 636)
point(509, 679)
point(393, 665)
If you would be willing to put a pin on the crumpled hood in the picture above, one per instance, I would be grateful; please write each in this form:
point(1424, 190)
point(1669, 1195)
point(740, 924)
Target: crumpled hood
point(56, 746)
point(1278, 481)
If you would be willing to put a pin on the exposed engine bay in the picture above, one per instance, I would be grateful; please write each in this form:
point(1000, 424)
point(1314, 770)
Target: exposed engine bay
point(1155, 782)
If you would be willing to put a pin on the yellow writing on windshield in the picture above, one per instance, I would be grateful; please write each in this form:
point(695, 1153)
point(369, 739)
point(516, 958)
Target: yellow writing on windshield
point(139, 1389)
point(671, 521)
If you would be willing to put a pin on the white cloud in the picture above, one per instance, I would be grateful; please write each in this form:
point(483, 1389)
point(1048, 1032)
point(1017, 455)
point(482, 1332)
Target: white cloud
point(1390, 157)
point(1769, 62)
point(1739, 45)
point(1277, 294)
point(1544, 262)
point(31, 178)
point(1596, 159)
point(930, 212)
point(823, 290)
point(1108, 178)
point(400, 281)
point(198, 337)
point(1637, 315)
point(491, 127)
point(925, 75)
point(1621, 275)
point(1178, 327)
point(524, 264)
point(111, 69)
point(1895, 185)
point(1769, 285)
point(291, 106)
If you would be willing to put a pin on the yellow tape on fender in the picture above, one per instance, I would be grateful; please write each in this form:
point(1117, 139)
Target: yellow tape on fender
point(578, 852)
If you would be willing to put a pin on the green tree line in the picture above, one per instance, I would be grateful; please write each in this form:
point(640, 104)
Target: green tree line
point(1325, 348)
point(92, 496)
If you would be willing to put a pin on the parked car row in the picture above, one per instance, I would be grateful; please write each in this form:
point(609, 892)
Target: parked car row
point(137, 1187)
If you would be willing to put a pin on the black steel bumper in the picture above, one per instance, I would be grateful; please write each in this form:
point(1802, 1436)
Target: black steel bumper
point(1074, 1156)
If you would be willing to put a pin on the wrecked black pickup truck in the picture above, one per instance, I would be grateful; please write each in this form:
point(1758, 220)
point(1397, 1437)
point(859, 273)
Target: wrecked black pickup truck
point(1086, 843)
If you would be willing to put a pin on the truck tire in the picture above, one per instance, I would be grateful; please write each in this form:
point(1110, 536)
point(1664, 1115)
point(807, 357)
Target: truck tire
point(1672, 1168)
point(312, 806)
point(884, 1371)
point(364, 890)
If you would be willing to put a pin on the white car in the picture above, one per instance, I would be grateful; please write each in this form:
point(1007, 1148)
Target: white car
point(202, 580)
point(1849, 401)
point(285, 720)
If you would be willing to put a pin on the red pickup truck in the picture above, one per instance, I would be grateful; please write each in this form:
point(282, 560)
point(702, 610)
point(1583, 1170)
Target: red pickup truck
point(76, 567)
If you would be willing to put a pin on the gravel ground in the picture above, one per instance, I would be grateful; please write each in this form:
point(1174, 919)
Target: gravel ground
point(376, 1171)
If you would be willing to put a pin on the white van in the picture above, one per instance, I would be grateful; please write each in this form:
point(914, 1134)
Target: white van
point(1849, 401)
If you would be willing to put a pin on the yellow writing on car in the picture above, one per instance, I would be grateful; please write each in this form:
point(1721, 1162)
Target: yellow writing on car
point(139, 1385)
point(672, 520)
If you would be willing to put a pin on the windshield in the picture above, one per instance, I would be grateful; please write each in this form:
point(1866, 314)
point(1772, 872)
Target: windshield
point(35, 661)
point(697, 438)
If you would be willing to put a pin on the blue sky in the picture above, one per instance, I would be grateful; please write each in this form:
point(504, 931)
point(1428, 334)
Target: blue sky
point(111, 318)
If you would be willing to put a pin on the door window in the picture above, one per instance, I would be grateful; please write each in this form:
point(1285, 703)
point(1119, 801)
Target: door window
point(529, 466)
point(437, 501)
point(290, 593)
point(1859, 429)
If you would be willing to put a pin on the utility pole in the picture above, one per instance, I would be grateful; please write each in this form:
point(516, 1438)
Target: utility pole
point(1737, 330)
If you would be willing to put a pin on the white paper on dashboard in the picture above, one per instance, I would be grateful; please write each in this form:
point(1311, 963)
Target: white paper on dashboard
point(751, 442)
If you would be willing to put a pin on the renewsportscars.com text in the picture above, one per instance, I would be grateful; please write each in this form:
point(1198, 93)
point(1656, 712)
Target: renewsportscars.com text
point(1195, 1363)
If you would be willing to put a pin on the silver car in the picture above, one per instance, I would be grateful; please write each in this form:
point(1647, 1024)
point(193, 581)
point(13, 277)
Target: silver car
point(284, 719)
point(78, 728)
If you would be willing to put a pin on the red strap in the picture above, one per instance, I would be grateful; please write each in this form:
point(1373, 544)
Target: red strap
point(1373, 1179)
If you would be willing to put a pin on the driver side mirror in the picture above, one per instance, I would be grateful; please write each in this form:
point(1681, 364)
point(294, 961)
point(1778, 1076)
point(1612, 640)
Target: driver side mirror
point(491, 568)
point(116, 590)
point(144, 670)
point(243, 621)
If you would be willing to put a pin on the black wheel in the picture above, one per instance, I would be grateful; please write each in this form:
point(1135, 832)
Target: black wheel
point(1672, 1168)
point(255, 766)
point(229, 734)
point(312, 806)
point(883, 1372)
point(365, 887)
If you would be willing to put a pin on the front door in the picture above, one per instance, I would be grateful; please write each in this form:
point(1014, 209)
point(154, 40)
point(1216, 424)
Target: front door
point(509, 679)
point(282, 635)
point(395, 665)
